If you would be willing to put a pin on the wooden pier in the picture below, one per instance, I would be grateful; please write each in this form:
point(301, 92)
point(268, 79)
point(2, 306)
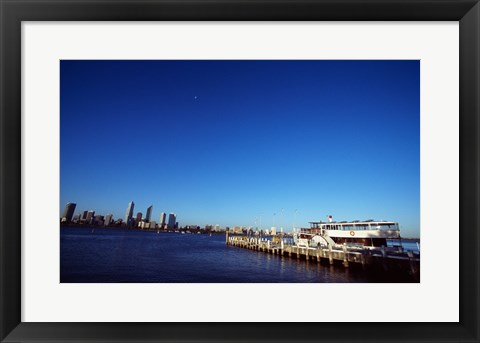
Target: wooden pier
point(383, 257)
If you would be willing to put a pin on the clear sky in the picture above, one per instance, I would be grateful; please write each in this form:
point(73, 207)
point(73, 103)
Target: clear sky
point(253, 143)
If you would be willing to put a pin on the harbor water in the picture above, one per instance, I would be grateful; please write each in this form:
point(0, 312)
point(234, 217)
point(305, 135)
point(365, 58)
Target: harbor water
point(100, 255)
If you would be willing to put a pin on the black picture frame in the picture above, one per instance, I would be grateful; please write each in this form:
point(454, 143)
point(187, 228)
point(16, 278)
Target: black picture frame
point(13, 12)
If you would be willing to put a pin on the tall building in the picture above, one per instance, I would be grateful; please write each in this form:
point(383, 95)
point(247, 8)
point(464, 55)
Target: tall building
point(83, 218)
point(172, 218)
point(149, 214)
point(99, 219)
point(108, 219)
point(68, 212)
point(162, 219)
point(129, 213)
point(137, 220)
point(90, 216)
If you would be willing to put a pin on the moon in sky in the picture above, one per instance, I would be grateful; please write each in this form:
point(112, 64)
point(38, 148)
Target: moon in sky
point(195, 97)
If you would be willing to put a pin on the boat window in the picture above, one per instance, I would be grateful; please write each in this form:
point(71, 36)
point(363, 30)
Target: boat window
point(389, 226)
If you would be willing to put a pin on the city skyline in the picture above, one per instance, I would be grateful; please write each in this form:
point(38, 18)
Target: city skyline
point(235, 142)
point(140, 222)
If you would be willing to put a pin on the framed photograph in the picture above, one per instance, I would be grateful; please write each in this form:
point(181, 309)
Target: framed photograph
point(239, 171)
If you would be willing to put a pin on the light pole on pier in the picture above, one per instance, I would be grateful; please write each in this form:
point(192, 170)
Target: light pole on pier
point(295, 219)
point(281, 224)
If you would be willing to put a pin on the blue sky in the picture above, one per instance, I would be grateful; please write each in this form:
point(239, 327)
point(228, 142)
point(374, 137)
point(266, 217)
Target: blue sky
point(235, 142)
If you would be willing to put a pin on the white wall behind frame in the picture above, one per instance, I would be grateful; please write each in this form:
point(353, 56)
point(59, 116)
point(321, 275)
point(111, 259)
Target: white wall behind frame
point(44, 44)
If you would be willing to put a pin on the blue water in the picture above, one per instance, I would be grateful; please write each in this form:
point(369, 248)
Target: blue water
point(119, 255)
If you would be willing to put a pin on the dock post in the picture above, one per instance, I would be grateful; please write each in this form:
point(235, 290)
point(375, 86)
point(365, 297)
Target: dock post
point(318, 256)
point(362, 258)
point(226, 237)
point(330, 254)
point(384, 258)
point(345, 260)
point(413, 266)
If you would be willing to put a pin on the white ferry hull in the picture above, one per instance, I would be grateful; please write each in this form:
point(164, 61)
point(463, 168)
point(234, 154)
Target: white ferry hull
point(369, 234)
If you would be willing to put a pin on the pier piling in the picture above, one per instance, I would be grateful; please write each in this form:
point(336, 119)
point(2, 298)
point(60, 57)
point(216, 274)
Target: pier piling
point(383, 257)
point(330, 254)
point(345, 260)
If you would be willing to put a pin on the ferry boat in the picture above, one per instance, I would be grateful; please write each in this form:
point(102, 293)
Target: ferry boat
point(362, 234)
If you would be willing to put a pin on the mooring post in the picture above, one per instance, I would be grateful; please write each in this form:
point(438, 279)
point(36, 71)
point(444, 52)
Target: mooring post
point(345, 260)
point(384, 258)
point(362, 258)
point(330, 254)
point(384, 253)
point(413, 265)
point(226, 237)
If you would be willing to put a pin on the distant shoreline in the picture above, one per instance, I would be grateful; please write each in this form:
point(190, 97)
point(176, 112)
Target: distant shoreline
point(139, 229)
point(193, 231)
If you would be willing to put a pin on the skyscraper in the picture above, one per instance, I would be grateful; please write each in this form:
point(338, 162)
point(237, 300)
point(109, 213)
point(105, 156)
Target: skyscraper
point(162, 219)
point(129, 213)
point(68, 212)
point(108, 219)
point(149, 214)
point(137, 220)
point(83, 218)
point(90, 216)
point(172, 218)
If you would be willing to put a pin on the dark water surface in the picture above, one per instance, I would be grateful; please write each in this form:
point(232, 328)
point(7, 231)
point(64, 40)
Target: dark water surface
point(119, 255)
